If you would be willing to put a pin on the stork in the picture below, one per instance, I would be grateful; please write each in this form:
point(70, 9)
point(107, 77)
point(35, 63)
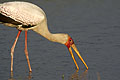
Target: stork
point(27, 16)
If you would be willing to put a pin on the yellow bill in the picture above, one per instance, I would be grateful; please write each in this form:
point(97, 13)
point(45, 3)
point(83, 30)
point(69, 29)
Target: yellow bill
point(70, 44)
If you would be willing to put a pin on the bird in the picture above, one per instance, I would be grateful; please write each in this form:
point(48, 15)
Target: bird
point(26, 16)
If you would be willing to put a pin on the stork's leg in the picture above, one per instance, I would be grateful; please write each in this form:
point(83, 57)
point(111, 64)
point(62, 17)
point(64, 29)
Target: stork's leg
point(26, 52)
point(12, 49)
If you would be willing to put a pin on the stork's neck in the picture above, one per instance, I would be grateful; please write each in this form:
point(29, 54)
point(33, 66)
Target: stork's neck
point(42, 29)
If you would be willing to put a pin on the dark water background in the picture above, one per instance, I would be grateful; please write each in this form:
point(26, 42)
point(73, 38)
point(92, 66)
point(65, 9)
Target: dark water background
point(94, 26)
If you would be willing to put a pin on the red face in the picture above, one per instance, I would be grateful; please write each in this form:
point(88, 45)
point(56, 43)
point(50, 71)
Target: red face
point(69, 42)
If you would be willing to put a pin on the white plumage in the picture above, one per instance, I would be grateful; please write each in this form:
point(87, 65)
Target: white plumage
point(22, 12)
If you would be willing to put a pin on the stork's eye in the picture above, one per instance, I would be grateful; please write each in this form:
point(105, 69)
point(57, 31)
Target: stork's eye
point(71, 41)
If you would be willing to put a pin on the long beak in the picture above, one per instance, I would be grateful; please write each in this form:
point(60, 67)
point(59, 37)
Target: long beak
point(77, 52)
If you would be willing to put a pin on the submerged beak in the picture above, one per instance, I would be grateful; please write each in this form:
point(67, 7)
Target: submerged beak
point(70, 44)
point(77, 52)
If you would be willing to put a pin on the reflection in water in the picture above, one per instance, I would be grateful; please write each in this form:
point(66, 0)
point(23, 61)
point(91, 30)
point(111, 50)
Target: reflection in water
point(76, 76)
point(84, 76)
point(98, 76)
point(29, 77)
point(11, 76)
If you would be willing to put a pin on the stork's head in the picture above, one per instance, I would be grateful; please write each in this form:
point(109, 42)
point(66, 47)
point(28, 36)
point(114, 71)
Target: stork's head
point(70, 44)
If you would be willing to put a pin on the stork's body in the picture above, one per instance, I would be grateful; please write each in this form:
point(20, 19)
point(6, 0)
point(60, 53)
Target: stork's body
point(26, 16)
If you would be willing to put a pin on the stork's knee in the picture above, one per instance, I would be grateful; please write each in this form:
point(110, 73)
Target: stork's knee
point(26, 52)
point(12, 51)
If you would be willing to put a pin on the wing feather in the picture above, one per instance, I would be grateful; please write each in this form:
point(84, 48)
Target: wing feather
point(22, 12)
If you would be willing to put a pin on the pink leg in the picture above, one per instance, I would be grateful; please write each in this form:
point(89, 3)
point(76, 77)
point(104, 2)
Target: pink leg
point(12, 49)
point(26, 52)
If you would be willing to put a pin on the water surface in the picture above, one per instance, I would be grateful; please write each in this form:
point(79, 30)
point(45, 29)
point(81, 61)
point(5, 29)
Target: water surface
point(94, 26)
